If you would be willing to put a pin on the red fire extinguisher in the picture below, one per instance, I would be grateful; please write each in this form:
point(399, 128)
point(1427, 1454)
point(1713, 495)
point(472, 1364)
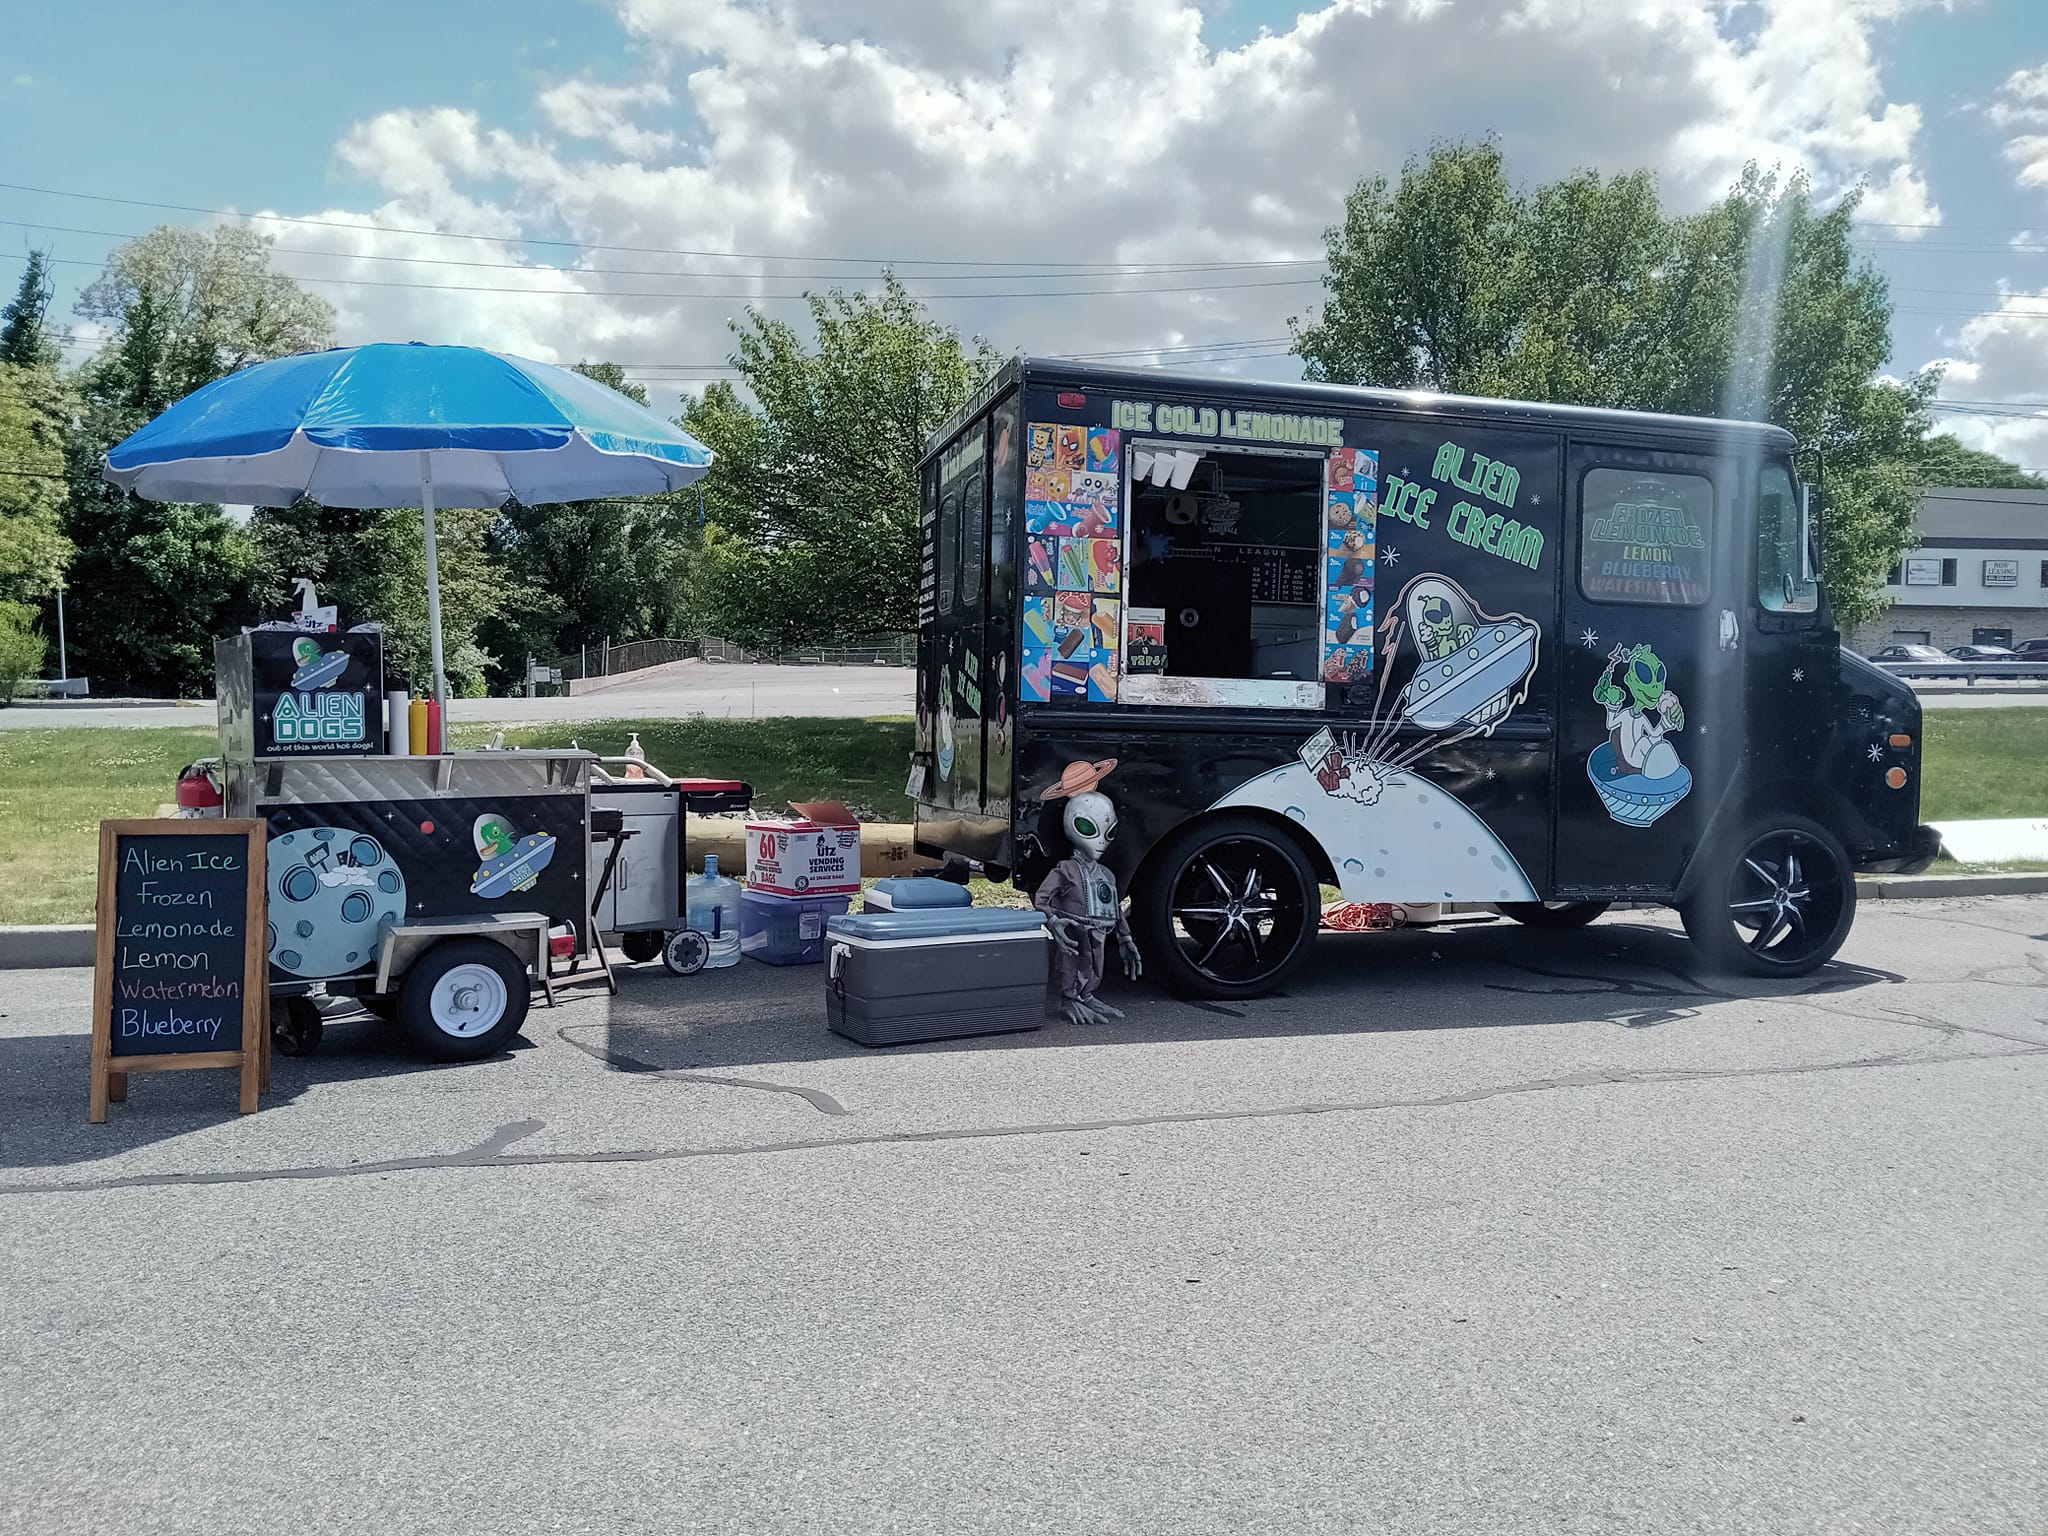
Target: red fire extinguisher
point(198, 790)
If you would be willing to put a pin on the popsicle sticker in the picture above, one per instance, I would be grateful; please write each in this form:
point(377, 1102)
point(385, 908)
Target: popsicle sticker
point(1069, 450)
point(1038, 565)
point(1102, 448)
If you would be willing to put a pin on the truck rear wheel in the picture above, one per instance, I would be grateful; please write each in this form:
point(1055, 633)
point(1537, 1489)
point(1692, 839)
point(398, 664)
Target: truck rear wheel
point(464, 998)
point(1776, 900)
point(1229, 910)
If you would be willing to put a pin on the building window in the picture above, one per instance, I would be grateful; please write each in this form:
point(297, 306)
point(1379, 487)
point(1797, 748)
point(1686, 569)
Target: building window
point(2044, 573)
point(1896, 576)
point(1948, 573)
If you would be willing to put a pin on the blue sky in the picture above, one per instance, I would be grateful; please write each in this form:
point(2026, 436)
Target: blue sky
point(235, 103)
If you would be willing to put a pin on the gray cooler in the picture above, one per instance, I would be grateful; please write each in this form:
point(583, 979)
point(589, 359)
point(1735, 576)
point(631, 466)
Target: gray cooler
point(895, 978)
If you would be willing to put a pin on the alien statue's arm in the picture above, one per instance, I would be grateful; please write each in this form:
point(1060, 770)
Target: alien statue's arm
point(1059, 897)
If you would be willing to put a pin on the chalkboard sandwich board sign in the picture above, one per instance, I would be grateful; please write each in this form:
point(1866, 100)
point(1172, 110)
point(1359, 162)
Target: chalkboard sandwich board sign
point(180, 978)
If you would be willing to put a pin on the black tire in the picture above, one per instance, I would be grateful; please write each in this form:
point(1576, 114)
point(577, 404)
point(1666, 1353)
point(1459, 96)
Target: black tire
point(1552, 915)
point(295, 1025)
point(1776, 900)
point(381, 1005)
point(1228, 910)
point(464, 998)
point(642, 945)
point(686, 953)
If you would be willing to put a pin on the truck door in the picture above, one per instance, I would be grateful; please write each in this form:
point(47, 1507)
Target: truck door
point(961, 610)
point(1650, 717)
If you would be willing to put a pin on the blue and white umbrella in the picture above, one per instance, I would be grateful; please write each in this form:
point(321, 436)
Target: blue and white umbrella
point(405, 425)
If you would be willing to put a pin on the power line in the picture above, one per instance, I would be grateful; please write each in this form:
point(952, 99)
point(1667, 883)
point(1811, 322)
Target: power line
point(1105, 268)
point(1134, 269)
point(756, 298)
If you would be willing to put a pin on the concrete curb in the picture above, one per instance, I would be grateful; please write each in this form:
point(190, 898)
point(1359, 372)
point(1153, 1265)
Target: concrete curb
point(72, 944)
point(37, 948)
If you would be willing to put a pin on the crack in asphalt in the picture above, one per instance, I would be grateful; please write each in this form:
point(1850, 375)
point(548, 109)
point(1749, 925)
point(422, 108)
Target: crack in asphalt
point(817, 1098)
point(494, 1150)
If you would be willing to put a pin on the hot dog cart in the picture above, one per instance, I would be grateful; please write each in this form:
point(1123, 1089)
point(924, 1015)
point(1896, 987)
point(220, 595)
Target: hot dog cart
point(434, 890)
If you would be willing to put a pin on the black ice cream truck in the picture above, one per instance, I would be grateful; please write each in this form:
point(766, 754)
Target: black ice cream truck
point(1421, 648)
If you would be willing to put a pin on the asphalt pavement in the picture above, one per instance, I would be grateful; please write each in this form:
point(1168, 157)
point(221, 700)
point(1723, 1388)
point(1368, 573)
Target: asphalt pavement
point(1476, 1230)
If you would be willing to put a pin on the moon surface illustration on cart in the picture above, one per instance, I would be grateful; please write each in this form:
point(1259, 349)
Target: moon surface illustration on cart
point(332, 895)
point(508, 865)
point(1391, 834)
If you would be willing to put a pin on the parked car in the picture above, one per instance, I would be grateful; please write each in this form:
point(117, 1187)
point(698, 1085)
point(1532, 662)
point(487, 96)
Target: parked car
point(1908, 653)
point(1982, 653)
point(2032, 650)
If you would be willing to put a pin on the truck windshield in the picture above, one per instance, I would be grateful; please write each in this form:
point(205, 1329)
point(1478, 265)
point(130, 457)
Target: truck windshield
point(1785, 574)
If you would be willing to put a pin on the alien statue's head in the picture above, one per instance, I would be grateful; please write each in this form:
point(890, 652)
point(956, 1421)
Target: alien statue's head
point(1091, 823)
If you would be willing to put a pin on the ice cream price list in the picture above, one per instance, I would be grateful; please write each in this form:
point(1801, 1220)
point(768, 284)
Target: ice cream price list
point(181, 968)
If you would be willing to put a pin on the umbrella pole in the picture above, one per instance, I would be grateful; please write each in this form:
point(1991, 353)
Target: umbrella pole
point(433, 577)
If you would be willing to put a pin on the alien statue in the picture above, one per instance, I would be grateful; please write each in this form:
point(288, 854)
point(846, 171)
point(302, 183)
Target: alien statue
point(1082, 909)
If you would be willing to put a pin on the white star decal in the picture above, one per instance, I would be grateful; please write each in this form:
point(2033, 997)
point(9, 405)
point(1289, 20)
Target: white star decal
point(1799, 674)
point(1701, 731)
point(1535, 501)
point(1876, 753)
point(1590, 639)
point(1390, 556)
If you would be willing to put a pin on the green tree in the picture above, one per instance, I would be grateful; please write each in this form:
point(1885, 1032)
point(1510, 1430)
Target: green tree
point(1587, 292)
point(1943, 460)
point(815, 481)
point(21, 648)
point(153, 585)
point(34, 409)
point(25, 340)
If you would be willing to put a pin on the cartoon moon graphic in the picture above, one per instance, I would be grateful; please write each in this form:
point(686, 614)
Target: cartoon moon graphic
point(1416, 843)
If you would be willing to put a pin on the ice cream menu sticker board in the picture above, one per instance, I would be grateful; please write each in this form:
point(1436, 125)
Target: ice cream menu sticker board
point(180, 976)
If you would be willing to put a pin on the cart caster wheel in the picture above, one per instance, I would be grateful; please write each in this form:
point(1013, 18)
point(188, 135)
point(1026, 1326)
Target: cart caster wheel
point(686, 952)
point(640, 945)
point(296, 1026)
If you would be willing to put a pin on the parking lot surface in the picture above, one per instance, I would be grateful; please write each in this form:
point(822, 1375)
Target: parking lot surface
point(1475, 1230)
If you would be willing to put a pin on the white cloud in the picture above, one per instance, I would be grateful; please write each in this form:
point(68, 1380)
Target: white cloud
point(2022, 103)
point(1084, 132)
point(592, 110)
point(2002, 364)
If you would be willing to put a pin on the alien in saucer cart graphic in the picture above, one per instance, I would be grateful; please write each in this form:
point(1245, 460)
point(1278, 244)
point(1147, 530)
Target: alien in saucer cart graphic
point(1636, 771)
point(509, 863)
point(316, 668)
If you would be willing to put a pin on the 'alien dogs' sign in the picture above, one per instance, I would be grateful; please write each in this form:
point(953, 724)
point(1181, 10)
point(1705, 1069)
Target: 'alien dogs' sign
point(1080, 900)
point(1635, 770)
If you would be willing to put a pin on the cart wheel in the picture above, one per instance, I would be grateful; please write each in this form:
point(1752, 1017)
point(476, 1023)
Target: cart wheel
point(296, 1026)
point(380, 1005)
point(641, 945)
point(464, 998)
point(686, 952)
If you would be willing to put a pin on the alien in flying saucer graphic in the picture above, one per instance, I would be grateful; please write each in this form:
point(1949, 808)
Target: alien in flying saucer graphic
point(1636, 771)
point(1467, 666)
point(317, 668)
point(509, 864)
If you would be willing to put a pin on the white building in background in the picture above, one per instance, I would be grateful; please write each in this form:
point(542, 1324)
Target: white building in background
point(1978, 577)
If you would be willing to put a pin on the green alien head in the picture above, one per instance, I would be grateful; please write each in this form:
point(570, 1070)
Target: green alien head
point(493, 838)
point(305, 652)
point(1644, 677)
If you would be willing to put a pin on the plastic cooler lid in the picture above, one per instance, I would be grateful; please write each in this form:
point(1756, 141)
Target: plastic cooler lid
point(944, 923)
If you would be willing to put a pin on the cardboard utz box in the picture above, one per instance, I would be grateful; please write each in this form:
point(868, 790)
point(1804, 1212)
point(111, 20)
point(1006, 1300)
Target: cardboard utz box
point(816, 853)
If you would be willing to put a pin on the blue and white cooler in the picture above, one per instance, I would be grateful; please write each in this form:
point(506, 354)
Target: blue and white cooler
point(915, 893)
point(896, 978)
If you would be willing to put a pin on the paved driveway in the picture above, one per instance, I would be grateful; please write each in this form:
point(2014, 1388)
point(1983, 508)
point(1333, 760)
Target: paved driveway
point(1475, 1231)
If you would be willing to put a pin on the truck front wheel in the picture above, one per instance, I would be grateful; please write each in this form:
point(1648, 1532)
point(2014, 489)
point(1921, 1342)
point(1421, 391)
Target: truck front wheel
point(1776, 900)
point(464, 998)
point(1229, 909)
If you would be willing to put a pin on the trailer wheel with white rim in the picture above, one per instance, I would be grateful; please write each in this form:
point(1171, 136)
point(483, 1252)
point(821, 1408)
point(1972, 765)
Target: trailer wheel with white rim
point(464, 998)
point(686, 953)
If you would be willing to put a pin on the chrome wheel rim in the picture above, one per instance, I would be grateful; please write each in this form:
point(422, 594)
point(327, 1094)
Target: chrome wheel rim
point(1236, 906)
point(1785, 897)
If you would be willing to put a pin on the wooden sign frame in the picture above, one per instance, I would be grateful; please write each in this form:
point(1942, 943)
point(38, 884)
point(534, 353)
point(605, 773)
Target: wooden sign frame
point(109, 1082)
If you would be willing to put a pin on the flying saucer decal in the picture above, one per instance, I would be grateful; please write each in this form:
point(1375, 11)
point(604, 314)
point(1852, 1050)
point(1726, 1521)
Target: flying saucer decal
point(1471, 668)
point(321, 671)
point(509, 864)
